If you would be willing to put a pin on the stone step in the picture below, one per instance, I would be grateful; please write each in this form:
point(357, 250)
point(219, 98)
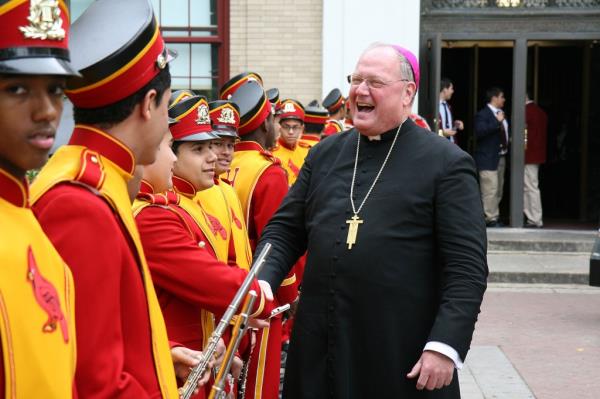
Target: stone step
point(541, 240)
point(538, 267)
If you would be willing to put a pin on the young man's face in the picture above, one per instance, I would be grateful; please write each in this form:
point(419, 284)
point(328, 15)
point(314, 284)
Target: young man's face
point(498, 101)
point(155, 129)
point(447, 92)
point(160, 173)
point(290, 131)
point(30, 109)
point(196, 164)
point(223, 149)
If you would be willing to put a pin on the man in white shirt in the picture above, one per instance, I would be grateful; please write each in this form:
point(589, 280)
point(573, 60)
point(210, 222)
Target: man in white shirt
point(447, 126)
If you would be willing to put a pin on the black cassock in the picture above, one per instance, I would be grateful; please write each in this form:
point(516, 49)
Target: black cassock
point(417, 272)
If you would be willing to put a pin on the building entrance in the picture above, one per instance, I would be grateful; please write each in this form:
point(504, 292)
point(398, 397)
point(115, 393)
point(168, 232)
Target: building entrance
point(563, 77)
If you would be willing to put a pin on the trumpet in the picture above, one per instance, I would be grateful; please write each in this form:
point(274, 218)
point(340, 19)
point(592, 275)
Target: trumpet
point(187, 390)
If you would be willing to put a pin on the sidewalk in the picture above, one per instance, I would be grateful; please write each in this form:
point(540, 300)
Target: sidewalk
point(489, 374)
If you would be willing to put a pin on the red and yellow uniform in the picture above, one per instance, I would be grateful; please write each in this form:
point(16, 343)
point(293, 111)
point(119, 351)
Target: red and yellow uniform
point(37, 317)
point(190, 281)
point(221, 202)
point(291, 159)
point(310, 139)
point(80, 198)
point(261, 185)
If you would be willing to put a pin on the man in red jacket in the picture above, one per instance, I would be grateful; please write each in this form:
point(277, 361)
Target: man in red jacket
point(535, 154)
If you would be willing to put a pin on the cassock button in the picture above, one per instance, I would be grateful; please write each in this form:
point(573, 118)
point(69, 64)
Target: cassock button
point(338, 241)
point(343, 227)
point(363, 171)
point(335, 258)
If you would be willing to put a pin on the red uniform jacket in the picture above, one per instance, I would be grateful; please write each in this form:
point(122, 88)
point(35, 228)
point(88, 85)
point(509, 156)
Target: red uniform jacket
point(186, 273)
point(114, 355)
point(537, 125)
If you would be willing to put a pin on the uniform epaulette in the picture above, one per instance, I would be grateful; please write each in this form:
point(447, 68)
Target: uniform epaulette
point(91, 171)
point(269, 155)
point(153, 199)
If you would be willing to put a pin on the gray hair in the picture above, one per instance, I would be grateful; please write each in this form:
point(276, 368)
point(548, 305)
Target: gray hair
point(406, 71)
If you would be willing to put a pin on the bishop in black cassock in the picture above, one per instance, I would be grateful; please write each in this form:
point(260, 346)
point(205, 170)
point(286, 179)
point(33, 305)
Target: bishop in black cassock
point(415, 275)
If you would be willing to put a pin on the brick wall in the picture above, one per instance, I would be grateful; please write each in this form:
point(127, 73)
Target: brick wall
point(280, 40)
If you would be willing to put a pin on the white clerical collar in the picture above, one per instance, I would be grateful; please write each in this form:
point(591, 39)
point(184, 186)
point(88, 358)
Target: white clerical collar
point(374, 138)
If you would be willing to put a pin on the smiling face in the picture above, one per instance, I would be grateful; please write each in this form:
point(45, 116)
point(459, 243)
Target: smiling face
point(376, 110)
point(160, 173)
point(30, 109)
point(196, 164)
point(223, 149)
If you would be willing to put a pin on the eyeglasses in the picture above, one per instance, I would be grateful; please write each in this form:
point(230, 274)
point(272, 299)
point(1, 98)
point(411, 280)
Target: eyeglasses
point(294, 128)
point(356, 80)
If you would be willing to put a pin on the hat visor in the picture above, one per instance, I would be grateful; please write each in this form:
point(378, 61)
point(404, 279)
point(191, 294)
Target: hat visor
point(225, 132)
point(38, 66)
point(204, 136)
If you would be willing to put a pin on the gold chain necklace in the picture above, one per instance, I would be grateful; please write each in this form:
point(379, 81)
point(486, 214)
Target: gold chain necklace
point(355, 221)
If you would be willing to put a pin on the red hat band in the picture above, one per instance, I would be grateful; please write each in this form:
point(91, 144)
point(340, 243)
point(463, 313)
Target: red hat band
point(337, 105)
point(254, 122)
point(193, 121)
point(128, 79)
point(316, 119)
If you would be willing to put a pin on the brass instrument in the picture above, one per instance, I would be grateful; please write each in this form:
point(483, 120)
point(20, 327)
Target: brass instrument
point(188, 388)
point(241, 325)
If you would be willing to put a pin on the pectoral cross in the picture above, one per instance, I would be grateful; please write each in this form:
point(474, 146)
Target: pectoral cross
point(352, 230)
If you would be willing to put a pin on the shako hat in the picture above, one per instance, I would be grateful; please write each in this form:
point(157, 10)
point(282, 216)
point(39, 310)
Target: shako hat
point(35, 37)
point(117, 47)
point(236, 82)
point(179, 95)
point(193, 119)
point(333, 101)
point(254, 106)
point(273, 96)
point(225, 118)
point(291, 109)
point(315, 114)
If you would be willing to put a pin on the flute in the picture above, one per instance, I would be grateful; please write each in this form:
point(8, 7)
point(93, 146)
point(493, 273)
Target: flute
point(241, 325)
point(188, 388)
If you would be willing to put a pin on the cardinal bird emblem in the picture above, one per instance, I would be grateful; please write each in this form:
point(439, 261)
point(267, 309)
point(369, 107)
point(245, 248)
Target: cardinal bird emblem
point(216, 227)
point(47, 297)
